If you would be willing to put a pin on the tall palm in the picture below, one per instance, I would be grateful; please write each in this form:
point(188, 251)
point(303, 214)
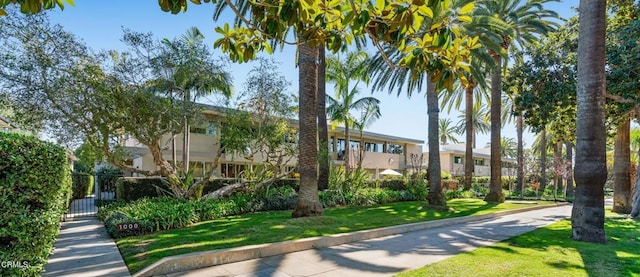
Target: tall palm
point(622, 169)
point(479, 122)
point(323, 129)
point(487, 29)
point(526, 20)
point(447, 131)
point(587, 217)
point(308, 203)
point(368, 115)
point(541, 147)
point(195, 75)
point(339, 109)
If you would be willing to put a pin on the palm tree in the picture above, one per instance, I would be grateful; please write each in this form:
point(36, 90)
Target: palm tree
point(323, 130)
point(622, 169)
point(541, 147)
point(308, 203)
point(587, 216)
point(339, 109)
point(194, 75)
point(479, 122)
point(447, 131)
point(526, 19)
point(368, 115)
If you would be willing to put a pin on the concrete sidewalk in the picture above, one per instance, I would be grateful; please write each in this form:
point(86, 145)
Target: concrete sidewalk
point(84, 248)
point(389, 255)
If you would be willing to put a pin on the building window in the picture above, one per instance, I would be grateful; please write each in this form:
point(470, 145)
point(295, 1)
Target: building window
point(373, 147)
point(478, 161)
point(331, 144)
point(457, 160)
point(212, 129)
point(198, 130)
point(231, 170)
point(394, 149)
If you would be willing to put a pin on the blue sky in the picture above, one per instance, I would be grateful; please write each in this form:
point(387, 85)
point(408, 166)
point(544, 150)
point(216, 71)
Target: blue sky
point(99, 24)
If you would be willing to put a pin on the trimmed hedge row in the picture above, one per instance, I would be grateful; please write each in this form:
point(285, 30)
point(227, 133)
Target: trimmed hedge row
point(35, 188)
point(82, 185)
point(133, 188)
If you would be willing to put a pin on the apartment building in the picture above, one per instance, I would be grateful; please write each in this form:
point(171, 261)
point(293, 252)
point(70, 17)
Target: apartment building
point(381, 151)
point(452, 158)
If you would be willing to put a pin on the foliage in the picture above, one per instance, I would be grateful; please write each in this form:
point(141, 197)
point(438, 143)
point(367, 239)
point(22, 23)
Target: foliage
point(447, 131)
point(35, 187)
point(129, 189)
point(82, 185)
point(107, 177)
point(88, 156)
point(424, 32)
point(33, 6)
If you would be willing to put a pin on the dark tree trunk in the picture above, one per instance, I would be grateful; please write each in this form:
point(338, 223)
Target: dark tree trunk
point(570, 192)
point(308, 203)
point(495, 187)
point(520, 173)
point(323, 133)
point(186, 136)
point(435, 198)
point(587, 217)
point(622, 170)
point(543, 160)
point(557, 164)
point(468, 117)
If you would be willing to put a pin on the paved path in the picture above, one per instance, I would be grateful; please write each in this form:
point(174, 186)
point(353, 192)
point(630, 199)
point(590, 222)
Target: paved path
point(84, 248)
point(392, 254)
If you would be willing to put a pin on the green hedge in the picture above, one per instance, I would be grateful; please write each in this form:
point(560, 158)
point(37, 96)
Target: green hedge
point(35, 188)
point(82, 184)
point(130, 189)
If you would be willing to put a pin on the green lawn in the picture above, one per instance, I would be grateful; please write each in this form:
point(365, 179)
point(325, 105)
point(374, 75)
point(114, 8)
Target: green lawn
point(141, 251)
point(548, 251)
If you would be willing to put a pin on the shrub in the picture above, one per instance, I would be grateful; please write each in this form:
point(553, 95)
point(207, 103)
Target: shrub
point(133, 188)
point(445, 175)
point(450, 184)
point(82, 184)
point(35, 187)
point(107, 178)
point(393, 184)
point(418, 188)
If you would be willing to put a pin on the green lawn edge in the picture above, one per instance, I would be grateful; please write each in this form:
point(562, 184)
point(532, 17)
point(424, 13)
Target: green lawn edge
point(548, 251)
point(275, 226)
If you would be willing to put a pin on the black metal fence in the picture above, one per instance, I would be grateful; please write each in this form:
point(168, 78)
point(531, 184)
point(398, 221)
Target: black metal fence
point(104, 191)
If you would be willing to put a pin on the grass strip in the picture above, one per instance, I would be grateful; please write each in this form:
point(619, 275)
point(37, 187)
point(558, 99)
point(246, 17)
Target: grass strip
point(548, 251)
point(266, 227)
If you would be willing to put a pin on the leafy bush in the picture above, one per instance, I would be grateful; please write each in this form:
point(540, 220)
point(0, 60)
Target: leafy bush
point(418, 188)
point(107, 178)
point(450, 184)
point(393, 184)
point(82, 184)
point(445, 175)
point(129, 189)
point(35, 188)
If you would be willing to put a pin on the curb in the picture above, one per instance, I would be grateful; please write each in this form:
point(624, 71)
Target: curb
point(209, 258)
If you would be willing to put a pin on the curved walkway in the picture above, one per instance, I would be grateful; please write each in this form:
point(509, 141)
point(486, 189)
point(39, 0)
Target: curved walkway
point(389, 255)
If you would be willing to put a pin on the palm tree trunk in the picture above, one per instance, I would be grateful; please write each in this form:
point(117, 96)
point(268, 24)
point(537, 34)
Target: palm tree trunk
point(435, 198)
point(185, 135)
point(361, 150)
point(622, 170)
point(347, 148)
point(557, 163)
point(543, 160)
point(520, 173)
point(323, 132)
point(570, 190)
point(587, 217)
point(495, 188)
point(468, 118)
point(308, 203)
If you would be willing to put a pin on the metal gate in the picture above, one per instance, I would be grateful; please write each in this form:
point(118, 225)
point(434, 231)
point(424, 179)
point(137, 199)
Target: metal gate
point(104, 191)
